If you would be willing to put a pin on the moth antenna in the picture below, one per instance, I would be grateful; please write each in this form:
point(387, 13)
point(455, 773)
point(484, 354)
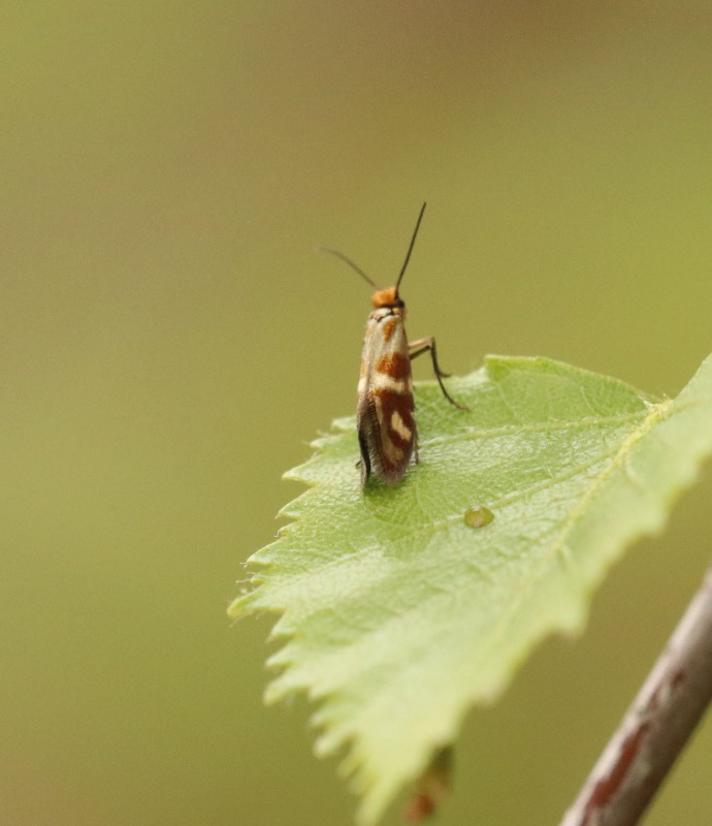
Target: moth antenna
point(351, 264)
point(410, 246)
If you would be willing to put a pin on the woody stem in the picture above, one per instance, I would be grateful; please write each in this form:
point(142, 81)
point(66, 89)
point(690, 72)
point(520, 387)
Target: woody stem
point(656, 727)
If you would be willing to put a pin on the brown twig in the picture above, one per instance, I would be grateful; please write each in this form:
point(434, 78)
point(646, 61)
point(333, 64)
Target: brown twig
point(655, 728)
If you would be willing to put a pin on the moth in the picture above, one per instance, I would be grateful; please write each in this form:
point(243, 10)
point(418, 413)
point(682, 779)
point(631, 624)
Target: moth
point(387, 432)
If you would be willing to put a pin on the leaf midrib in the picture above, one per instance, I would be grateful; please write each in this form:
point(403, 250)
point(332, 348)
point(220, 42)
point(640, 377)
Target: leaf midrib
point(656, 414)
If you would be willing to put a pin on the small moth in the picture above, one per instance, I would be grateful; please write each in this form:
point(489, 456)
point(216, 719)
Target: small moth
point(387, 432)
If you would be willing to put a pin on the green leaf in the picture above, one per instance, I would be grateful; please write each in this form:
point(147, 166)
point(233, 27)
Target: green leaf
point(401, 611)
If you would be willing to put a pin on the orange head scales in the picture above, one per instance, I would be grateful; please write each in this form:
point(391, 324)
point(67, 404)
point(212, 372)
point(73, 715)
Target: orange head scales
point(387, 298)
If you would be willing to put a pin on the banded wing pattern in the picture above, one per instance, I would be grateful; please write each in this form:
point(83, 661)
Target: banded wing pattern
point(386, 427)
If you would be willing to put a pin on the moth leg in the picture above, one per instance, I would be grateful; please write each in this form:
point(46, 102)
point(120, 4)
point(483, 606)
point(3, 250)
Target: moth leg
point(365, 461)
point(423, 345)
point(415, 444)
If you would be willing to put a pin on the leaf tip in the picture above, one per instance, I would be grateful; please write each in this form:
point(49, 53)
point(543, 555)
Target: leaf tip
point(431, 787)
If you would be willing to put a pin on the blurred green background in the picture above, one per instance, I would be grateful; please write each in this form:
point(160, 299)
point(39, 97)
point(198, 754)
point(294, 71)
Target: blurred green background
point(170, 341)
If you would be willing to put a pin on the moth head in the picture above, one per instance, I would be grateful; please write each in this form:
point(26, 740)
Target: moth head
point(387, 298)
